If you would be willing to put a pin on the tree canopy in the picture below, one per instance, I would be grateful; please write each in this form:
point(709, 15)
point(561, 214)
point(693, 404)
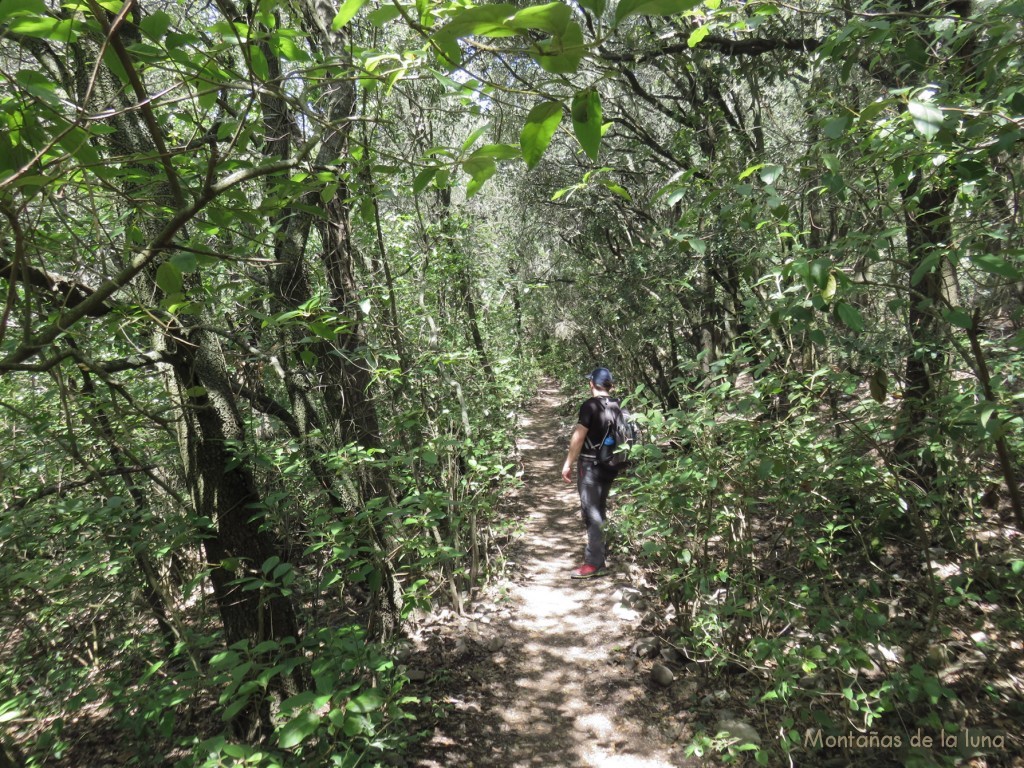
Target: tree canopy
point(278, 278)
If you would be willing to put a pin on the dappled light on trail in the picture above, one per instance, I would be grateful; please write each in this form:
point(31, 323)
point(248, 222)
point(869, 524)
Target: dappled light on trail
point(559, 693)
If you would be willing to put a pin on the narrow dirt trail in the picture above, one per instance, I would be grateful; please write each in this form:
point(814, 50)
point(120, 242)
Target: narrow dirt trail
point(548, 685)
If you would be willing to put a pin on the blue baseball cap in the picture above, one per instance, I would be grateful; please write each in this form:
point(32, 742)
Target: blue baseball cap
point(601, 377)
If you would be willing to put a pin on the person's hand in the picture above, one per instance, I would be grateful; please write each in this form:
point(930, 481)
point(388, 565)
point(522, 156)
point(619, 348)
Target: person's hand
point(567, 473)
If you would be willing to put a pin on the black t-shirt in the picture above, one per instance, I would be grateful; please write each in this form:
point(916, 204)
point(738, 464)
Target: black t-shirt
point(598, 415)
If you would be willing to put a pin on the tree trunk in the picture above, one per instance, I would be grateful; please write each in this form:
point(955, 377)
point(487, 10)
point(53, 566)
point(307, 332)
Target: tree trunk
point(927, 216)
point(210, 430)
point(349, 401)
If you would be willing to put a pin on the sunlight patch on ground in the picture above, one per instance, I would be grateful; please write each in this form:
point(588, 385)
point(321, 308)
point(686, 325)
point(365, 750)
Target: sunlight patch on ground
point(596, 723)
point(598, 759)
point(543, 602)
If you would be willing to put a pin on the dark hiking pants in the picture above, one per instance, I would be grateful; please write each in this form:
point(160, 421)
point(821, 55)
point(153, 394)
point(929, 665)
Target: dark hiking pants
point(593, 485)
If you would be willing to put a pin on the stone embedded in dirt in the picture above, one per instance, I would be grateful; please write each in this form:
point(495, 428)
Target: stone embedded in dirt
point(495, 644)
point(738, 729)
point(662, 675)
point(403, 651)
point(461, 647)
point(647, 647)
point(626, 614)
point(690, 690)
point(416, 675)
point(937, 656)
point(717, 696)
point(630, 597)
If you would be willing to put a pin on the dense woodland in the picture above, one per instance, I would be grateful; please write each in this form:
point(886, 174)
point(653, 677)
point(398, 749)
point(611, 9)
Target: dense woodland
point(279, 278)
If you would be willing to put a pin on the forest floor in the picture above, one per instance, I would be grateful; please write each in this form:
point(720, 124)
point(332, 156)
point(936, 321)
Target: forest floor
point(541, 670)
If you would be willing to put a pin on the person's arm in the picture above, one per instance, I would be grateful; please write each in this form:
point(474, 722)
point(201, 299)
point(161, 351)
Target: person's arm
point(579, 437)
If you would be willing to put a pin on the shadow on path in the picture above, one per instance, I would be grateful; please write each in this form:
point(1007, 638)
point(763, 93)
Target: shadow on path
point(555, 693)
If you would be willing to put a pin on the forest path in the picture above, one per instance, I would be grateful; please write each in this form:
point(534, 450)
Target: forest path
point(541, 679)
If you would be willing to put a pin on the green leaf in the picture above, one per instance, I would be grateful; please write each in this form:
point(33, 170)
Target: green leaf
point(749, 170)
point(970, 170)
point(38, 85)
point(819, 272)
point(482, 20)
point(302, 700)
point(617, 189)
point(540, 127)
point(423, 178)
point(9, 8)
point(628, 8)
point(875, 108)
point(346, 13)
point(561, 55)
point(367, 701)
point(958, 317)
point(77, 142)
point(285, 46)
point(927, 265)
point(168, 278)
point(836, 127)
point(155, 25)
point(60, 30)
point(235, 707)
point(383, 15)
point(927, 118)
point(586, 120)
point(184, 262)
point(551, 17)
point(594, 6)
point(471, 140)
point(878, 385)
point(352, 726)
point(480, 169)
point(829, 290)
point(260, 68)
point(569, 190)
point(995, 264)
point(297, 729)
point(497, 151)
point(770, 173)
point(985, 410)
point(850, 316)
point(448, 50)
point(697, 35)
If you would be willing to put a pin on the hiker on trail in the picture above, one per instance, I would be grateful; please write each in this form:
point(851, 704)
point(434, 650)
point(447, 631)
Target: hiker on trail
point(597, 415)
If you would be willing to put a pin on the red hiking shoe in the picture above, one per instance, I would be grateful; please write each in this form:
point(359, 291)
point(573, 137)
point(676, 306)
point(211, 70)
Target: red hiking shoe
point(587, 571)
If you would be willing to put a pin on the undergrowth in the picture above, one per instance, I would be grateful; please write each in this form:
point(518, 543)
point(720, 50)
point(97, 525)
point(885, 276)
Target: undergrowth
point(865, 612)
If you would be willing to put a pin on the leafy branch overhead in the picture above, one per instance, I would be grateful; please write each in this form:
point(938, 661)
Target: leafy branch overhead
point(279, 281)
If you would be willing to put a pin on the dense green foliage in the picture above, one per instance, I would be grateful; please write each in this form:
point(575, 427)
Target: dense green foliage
point(278, 277)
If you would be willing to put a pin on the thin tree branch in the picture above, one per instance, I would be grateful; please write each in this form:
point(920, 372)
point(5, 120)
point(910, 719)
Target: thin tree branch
point(161, 243)
point(20, 502)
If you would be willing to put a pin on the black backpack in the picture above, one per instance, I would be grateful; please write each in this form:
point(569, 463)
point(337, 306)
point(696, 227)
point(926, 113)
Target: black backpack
point(622, 434)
